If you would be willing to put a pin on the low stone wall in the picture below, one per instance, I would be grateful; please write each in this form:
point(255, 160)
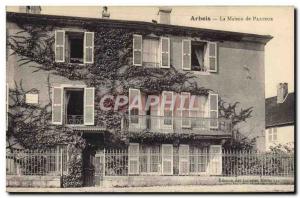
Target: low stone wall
point(135, 181)
point(33, 181)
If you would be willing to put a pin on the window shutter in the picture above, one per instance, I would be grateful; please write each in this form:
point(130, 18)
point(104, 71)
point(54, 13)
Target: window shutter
point(186, 54)
point(184, 159)
point(57, 105)
point(88, 47)
point(134, 107)
point(212, 57)
point(185, 112)
point(215, 163)
point(137, 50)
point(89, 97)
point(213, 111)
point(167, 159)
point(133, 159)
point(165, 52)
point(7, 104)
point(167, 109)
point(59, 46)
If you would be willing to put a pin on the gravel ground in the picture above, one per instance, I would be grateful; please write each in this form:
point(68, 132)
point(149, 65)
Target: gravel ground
point(191, 188)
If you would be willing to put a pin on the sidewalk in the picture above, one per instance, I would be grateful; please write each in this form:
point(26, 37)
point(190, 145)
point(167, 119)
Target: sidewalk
point(187, 188)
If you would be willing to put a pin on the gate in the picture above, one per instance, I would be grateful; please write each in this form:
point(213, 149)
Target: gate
point(99, 162)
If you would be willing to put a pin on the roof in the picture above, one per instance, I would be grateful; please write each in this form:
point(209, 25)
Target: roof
point(280, 114)
point(208, 34)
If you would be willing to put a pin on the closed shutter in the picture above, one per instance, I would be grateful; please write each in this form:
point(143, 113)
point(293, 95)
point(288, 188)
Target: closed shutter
point(89, 96)
point(137, 50)
point(57, 104)
point(167, 159)
point(89, 47)
point(213, 110)
point(165, 52)
point(167, 109)
point(59, 46)
point(133, 159)
point(184, 158)
point(212, 57)
point(185, 112)
point(215, 162)
point(134, 108)
point(186, 54)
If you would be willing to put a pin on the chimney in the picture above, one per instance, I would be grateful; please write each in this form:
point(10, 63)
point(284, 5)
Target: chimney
point(282, 92)
point(105, 13)
point(164, 14)
point(30, 9)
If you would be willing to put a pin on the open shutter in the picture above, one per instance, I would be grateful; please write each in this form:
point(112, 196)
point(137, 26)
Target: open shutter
point(57, 105)
point(133, 159)
point(134, 108)
point(165, 52)
point(167, 159)
point(213, 110)
point(184, 159)
point(186, 54)
point(215, 162)
point(212, 57)
point(88, 47)
point(137, 50)
point(185, 112)
point(59, 46)
point(89, 95)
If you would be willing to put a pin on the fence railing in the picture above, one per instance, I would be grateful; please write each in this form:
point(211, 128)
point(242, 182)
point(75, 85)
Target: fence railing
point(228, 163)
point(36, 162)
point(185, 125)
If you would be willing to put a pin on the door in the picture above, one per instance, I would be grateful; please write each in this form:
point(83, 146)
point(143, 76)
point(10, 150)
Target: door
point(99, 168)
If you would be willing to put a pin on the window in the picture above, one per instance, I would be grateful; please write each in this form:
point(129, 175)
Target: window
point(150, 159)
point(185, 112)
point(74, 106)
point(199, 56)
point(272, 134)
point(151, 51)
point(200, 112)
point(74, 47)
point(198, 159)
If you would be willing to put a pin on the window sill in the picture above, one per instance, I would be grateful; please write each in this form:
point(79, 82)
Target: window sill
point(204, 73)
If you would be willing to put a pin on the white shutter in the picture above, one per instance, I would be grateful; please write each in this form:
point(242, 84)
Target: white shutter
point(167, 107)
point(215, 159)
point(134, 102)
point(133, 159)
point(88, 56)
point(186, 54)
point(165, 52)
point(137, 50)
point(184, 159)
point(59, 46)
point(89, 96)
point(167, 159)
point(7, 104)
point(213, 110)
point(57, 105)
point(185, 112)
point(212, 57)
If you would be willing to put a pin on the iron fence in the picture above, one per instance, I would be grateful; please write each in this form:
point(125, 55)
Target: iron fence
point(36, 162)
point(227, 163)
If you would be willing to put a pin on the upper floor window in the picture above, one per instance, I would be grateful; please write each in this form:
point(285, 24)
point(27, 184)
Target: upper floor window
point(151, 51)
point(199, 56)
point(74, 47)
point(73, 105)
point(272, 134)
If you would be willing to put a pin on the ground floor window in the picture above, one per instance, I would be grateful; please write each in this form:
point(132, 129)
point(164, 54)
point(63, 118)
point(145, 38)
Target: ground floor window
point(150, 159)
point(198, 159)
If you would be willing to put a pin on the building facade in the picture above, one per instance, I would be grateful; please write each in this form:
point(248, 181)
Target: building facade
point(280, 118)
point(77, 62)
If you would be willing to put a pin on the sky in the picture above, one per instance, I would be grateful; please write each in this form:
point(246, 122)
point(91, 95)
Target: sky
point(279, 52)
